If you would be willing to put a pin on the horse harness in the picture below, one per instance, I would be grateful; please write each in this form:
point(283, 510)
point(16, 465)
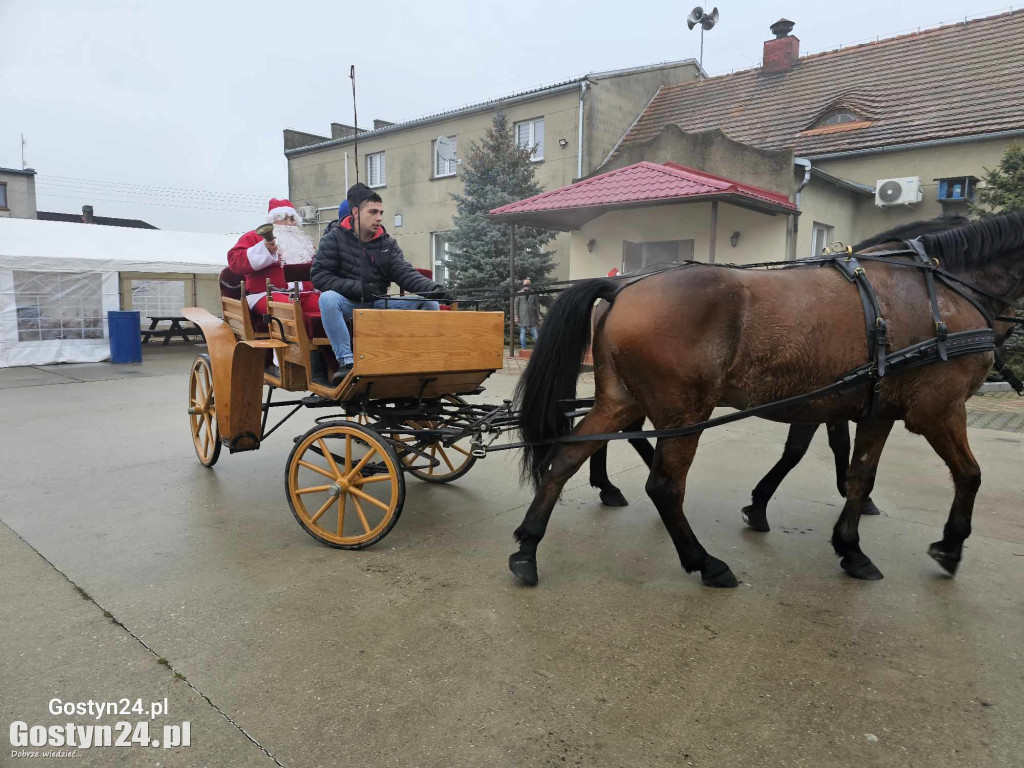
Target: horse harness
point(941, 347)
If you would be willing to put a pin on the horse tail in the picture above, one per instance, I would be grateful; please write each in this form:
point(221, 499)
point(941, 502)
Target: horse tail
point(554, 367)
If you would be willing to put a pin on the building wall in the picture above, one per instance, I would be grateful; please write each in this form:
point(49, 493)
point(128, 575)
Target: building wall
point(612, 104)
point(318, 178)
point(827, 204)
point(21, 195)
point(762, 237)
point(930, 163)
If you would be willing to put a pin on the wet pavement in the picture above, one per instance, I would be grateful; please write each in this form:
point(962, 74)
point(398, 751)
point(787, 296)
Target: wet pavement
point(129, 571)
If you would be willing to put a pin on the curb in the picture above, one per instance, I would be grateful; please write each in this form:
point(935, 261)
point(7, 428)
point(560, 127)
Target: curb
point(994, 386)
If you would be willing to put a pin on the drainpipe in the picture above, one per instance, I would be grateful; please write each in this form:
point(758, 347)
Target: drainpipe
point(579, 138)
point(795, 225)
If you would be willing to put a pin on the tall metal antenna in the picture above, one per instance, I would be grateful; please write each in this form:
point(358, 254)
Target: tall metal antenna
point(355, 118)
point(23, 166)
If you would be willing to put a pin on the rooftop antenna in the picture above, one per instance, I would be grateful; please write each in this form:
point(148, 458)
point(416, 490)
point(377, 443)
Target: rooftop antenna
point(706, 21)
point(23, 165)
point(355, 119)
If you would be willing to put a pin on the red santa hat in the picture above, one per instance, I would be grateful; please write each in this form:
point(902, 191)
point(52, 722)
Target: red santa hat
point(613, 272)
point(278, 209)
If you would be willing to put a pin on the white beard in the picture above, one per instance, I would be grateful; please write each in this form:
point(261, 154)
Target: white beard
point(294, 245)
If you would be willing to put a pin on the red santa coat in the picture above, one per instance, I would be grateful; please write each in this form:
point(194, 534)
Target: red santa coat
point(251, 257)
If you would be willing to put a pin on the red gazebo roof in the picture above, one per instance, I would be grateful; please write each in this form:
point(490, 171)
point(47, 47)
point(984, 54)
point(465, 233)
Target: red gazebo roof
point(638, 185)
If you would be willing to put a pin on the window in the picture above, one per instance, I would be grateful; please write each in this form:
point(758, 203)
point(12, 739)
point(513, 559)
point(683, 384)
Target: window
point(441, 250)
point(636, 256)
point(531, 134)
point(58, 305)
point(158, 298)
point(444, 167)
point(821, 236)
point(3, 195)
point(376, 170)
point(840, 117)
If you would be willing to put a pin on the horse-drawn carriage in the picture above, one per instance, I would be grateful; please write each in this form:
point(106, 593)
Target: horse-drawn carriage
point(402, 405)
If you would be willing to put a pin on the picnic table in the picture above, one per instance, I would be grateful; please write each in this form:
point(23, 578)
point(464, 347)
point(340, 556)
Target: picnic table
point(187, 334)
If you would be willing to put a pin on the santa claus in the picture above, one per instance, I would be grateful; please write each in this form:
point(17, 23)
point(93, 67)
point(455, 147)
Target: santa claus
point(259, 259)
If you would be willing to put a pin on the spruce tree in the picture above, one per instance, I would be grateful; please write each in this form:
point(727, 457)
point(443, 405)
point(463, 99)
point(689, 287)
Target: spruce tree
point(496, 172)
point(1004, 192)
point(1004, 185)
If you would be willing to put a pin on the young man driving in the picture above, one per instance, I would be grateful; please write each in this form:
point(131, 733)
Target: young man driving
point(355, 263)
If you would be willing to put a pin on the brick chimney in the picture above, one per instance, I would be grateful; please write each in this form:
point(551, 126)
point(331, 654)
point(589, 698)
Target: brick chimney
point(782, 52)
point(87, 214)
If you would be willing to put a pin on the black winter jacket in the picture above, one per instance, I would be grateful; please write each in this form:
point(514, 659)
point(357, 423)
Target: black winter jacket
point(339, 266)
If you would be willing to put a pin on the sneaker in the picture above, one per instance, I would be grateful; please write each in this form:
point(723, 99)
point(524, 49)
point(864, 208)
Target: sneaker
point(339, 375)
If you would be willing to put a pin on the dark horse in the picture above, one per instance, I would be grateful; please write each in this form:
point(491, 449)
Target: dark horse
point(799, 439)
point(677, 344)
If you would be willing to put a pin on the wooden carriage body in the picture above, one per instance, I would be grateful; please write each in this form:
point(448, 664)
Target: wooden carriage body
point(398, 354)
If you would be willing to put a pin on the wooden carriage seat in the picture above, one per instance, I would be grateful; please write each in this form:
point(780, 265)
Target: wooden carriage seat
point(294, 363)
point(235, 308)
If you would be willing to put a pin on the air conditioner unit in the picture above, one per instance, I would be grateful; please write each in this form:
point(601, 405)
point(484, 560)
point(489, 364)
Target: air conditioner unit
point(308, 213)
point(905, 191)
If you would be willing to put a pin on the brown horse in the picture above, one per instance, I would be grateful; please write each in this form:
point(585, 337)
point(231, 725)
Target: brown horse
point(799, 439)
point(677, 344)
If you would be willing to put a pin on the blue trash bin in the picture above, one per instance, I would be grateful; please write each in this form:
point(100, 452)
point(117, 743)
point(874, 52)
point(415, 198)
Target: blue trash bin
point(125, 337)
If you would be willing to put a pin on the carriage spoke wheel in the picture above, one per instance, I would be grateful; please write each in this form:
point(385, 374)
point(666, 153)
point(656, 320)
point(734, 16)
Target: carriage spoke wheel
point(345, 485)
point(452, 461)
point(202, 412)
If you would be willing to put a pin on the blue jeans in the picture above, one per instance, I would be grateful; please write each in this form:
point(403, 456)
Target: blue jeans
point(335, 309)
point(522, 335)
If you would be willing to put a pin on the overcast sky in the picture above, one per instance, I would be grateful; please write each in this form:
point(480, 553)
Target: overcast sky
point(172, 112)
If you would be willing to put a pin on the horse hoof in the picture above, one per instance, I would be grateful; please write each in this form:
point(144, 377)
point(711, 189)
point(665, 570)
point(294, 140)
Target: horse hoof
point(948, 560)
point(715, 573)
point(860, 567)
point(525, 568)
point(756, 518)
point(613, 498)
point(869, 508)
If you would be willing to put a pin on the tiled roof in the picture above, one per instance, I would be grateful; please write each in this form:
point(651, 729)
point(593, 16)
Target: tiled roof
point(108, 221)
point(959, 80)
point(645, 183)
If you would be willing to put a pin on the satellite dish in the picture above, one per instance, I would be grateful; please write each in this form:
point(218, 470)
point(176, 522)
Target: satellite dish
point(445, 148)
point(698, 16)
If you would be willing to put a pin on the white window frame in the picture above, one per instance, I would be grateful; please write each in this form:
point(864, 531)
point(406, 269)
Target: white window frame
point(376, 163)
point(450, 166)
point(436, 240)
point(538, 153)
point(828, 235)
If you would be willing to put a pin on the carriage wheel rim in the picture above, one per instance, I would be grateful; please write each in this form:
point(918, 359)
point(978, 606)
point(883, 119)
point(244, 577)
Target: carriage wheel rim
point(339, 486)
point(203, 410)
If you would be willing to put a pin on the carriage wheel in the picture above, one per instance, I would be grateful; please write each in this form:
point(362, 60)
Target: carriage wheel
point(202, 412)
point(455, 460)
point(345, 485)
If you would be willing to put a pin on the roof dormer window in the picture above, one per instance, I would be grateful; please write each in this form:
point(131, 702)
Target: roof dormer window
point(841, 116)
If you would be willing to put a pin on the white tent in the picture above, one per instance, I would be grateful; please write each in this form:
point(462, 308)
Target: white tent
point(58, 280)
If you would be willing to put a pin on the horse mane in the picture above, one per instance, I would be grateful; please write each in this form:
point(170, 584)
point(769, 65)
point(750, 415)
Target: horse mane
point(977, 243)
point(914, 229)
